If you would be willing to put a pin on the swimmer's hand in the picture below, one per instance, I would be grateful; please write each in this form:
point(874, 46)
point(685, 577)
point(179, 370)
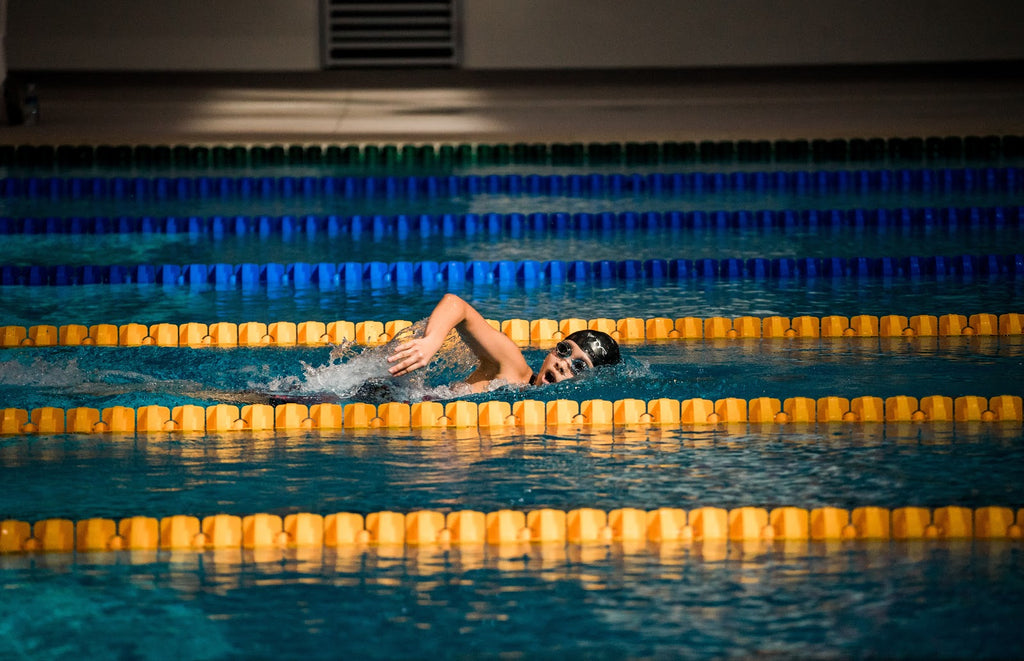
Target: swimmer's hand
point(412, 355)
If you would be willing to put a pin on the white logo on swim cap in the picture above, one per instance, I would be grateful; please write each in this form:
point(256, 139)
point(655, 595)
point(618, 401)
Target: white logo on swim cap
point(596, 348)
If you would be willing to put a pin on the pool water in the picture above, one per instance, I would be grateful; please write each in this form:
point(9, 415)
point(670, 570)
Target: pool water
point(151, 304)
point(660, 243)
point(360, 470)
point(916, 599)
point(908, 599)
point(872, 600)
point(101, 377)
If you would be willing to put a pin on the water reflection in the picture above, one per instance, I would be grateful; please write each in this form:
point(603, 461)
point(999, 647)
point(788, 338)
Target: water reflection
point(838, 464)
point(694, 600)
point(100, 377)
point(151, 304)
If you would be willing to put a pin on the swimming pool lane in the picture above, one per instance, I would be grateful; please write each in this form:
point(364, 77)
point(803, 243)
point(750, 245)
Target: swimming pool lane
point(817, 424)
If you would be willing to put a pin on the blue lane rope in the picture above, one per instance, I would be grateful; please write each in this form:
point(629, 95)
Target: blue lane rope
point(355, 275)
point(946, 180)
point(516, 224)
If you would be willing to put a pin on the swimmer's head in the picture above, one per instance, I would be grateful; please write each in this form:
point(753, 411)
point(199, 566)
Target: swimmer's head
point(600, 347)
point(577, 353)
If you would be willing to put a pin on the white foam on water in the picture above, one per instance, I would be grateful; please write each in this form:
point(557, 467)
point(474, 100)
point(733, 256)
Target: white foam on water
point(42, 374)
point(69, 377)
point(350, 368)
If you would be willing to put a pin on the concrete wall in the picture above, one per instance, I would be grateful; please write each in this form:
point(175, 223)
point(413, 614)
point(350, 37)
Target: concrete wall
point(283, 35)
point(709, 33)
point(173, 35)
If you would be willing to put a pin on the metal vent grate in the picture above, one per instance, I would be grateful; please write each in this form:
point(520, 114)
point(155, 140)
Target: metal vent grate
point(368, 34)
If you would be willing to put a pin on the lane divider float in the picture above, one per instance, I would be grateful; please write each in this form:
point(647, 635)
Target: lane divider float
point(849, 182)
point(425, 155)
point(707, 525)
point(525, 273)
point(524, 416)
point(517, 224)
point(535, 332)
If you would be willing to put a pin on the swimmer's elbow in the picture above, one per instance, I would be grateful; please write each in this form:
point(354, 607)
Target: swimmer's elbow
point(453, 299)
point(450, 312)
point(459, 309)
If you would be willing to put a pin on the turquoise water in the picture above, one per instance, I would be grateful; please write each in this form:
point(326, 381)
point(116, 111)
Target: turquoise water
point(902, 599)
point(923, 599)
point(151, 304)
point(809, 466)
point(863, 600)
point(707, 243)
point(100, 377)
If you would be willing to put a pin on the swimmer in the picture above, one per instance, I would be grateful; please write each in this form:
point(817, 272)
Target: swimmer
point(499, 357)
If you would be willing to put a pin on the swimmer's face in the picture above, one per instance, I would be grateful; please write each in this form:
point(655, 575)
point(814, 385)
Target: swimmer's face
point(563, 362)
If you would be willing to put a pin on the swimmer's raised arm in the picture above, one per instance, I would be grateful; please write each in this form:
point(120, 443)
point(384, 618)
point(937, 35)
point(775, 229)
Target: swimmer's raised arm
point(499, 356)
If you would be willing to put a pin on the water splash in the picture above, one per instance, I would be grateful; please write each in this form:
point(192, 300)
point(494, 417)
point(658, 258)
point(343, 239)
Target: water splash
point(69, 378)
point(41, 374)
point(362, 373)
point(351, 373)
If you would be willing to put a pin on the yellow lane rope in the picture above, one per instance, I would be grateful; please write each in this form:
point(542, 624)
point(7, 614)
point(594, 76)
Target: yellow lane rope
point(706, 525)
point(523, 331)
point(524, 416)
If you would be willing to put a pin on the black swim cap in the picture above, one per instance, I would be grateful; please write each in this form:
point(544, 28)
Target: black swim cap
point(602, 349)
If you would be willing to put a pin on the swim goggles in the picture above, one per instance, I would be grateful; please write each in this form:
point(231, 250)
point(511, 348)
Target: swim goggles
point(577, 365)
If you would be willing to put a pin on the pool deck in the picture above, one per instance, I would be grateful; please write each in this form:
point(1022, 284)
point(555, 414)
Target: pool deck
point(515, 106)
